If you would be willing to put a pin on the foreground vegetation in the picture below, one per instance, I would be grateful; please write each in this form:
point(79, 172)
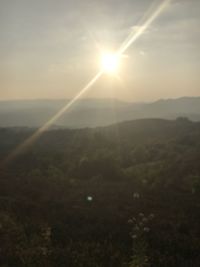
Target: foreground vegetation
point(124, 195)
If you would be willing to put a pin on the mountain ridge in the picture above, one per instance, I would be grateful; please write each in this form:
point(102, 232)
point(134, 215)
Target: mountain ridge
point(94, 112)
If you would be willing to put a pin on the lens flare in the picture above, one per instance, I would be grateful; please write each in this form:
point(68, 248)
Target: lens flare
point(29, 141)
point(110, 63)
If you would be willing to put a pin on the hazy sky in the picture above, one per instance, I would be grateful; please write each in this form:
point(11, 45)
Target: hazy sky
point(50, 48)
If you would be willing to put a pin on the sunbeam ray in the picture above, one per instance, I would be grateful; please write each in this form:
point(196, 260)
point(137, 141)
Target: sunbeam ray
point(135, 35)
point(125, 45)
point(28, 142)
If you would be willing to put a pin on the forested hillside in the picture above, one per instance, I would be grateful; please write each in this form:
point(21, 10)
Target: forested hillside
point(123, 195)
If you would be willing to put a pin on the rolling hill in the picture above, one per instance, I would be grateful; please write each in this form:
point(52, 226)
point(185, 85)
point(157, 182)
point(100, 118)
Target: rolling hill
point(94, 112)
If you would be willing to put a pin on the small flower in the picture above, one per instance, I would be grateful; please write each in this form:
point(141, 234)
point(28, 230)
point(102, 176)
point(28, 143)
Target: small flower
point(136, 228)
point(134, 236)
point(141, 224)
point(136, 195)
point(151, 216)
point(144, 220)
point(146, 229)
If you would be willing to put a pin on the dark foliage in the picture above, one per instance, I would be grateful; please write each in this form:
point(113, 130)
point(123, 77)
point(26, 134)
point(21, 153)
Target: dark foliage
point(124, 195)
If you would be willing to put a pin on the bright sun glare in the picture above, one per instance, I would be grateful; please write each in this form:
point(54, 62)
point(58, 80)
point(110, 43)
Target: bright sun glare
point(110, 63)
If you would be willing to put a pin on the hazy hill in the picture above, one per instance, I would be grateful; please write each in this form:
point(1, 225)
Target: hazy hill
point(94, 112)
point(134, 132)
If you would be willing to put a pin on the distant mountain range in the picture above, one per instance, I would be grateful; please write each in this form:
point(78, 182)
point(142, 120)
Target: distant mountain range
point(94, 112)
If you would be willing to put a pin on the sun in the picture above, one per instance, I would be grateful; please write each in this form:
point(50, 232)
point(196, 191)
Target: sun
point(110, 63)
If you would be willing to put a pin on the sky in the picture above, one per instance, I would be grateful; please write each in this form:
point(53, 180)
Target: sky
point(51, 49)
